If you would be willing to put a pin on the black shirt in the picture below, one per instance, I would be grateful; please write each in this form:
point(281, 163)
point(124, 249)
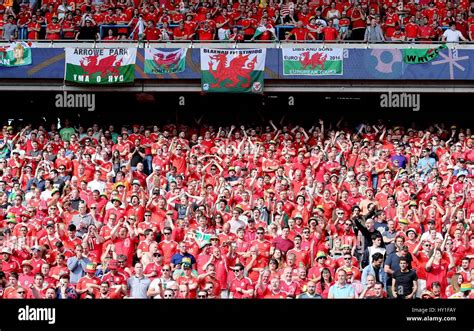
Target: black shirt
point(377, 271)
point(136, 157)
point(87, 33)
point(404, 282)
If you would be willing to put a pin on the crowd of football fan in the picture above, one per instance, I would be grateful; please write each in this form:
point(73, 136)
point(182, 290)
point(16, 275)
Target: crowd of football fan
point(386, 20)
point(172, 211)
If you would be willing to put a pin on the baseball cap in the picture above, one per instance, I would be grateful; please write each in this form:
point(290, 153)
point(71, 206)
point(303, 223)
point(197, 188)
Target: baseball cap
point(186, 262)
point(6, 250)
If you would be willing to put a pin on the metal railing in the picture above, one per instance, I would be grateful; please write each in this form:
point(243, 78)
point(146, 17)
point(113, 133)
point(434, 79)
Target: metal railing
point(23, 33)
point(353, 44)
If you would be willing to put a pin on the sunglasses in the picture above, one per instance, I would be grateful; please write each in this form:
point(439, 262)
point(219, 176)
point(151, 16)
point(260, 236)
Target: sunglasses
point(201, 296)
point(348, 258)
point(166, 269)
point(260, 233)
point(168, 296)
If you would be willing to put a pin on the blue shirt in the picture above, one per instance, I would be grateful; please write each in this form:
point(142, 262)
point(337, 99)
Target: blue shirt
point(345, 292)
point(369, 270)
point(427, 162)
point(77, 268)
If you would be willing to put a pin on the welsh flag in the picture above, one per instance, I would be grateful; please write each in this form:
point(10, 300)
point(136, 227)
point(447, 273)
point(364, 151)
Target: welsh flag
point(16, 54)
point(100, 65)
point(232, 70)
point(261, 29)
point(165, 62)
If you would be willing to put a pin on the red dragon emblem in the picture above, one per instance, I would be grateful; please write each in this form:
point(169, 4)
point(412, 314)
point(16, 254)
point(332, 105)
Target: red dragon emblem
point(317, 59)
point(166, 61)
point(238, 70)
point(105, 66)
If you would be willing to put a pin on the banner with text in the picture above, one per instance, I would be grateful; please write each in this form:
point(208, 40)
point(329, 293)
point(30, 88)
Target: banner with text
point(16, 54)
point(100, 65)
point(232, 70)
point(419, 55)
point(164, 61)
point(317, 61)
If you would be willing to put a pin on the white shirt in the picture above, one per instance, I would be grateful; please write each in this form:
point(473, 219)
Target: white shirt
point(452, 36)
point(96, 185)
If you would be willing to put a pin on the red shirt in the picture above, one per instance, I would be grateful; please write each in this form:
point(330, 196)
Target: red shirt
point(152, 33)
point(330, 33)
point(55, 35)
point(245, 284)
point(411, 30)
point(33, 34)
point(300, 33)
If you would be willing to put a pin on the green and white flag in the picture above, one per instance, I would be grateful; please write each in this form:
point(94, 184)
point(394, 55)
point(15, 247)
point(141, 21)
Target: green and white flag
point(100, 65)
point(421, 55)
point(232, 70)
point(261, 29)
point(16, 54)
point(203, 238)
point(164, 62)
point(318, 61)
